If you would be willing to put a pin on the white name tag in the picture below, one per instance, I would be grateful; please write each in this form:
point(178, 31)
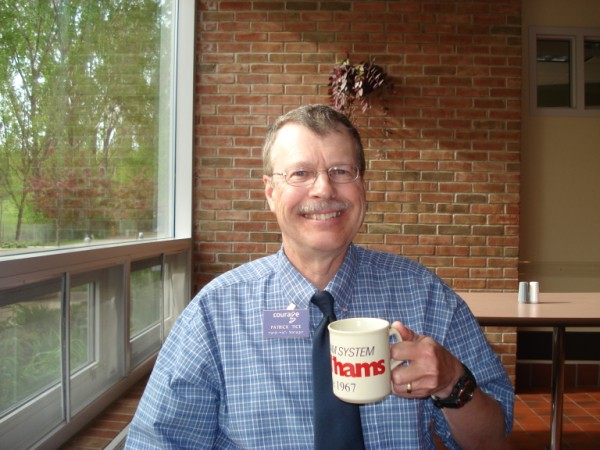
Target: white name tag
point(286, 324)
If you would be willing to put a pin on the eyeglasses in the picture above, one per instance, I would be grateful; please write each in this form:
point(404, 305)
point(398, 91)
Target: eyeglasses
point(340, 174)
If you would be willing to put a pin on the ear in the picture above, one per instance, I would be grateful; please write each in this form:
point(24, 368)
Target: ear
point(269, 191)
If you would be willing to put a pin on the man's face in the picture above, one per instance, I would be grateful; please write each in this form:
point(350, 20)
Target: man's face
point(319, 219)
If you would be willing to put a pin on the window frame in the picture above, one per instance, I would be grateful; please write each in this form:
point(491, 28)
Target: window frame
point(23, 269)
point(577, 37)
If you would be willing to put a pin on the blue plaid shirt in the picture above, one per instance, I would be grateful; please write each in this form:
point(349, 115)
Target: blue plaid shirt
point(218, 383)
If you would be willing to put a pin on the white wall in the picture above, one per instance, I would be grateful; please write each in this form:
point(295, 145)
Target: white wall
point(560, 185)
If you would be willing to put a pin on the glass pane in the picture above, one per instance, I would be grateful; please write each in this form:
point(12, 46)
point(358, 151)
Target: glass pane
point(30, 350)
point(146, 293)
point(97, 334)
point(145, 318)
point(82, 326)
point(553, 73)
point(592, 73)
point(177, 288)
point(86, 123)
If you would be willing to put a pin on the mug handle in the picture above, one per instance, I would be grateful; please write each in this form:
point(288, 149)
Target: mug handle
point(394, 362)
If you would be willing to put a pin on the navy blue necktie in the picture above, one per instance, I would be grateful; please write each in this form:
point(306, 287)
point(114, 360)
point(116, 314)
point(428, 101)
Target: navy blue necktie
point(337, 423)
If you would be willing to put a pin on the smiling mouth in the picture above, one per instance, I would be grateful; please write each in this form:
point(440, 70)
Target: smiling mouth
point(323, 210)
point(323, 216)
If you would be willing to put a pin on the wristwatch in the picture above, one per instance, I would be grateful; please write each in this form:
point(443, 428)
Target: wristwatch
point(461, 394)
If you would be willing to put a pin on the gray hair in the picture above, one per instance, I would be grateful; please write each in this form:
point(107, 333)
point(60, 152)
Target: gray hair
point(320, 119)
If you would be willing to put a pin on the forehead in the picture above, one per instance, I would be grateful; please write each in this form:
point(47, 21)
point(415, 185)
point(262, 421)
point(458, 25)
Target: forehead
point(297, 144)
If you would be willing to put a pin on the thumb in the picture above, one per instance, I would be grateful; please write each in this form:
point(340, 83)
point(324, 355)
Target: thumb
point(406, 333)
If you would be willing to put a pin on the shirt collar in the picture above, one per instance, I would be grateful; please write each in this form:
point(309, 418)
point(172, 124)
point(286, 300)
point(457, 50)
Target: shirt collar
point(341, 285)
point(298, 290)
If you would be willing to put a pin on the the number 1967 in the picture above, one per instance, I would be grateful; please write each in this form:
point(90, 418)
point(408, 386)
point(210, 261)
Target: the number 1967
point(345, 386)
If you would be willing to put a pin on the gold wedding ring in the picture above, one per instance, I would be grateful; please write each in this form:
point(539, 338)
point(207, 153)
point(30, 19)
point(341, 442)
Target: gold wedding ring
point(408, 388)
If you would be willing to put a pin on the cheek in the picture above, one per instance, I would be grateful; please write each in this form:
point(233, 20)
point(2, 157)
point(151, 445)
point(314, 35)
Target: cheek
point(280, 199)
point(361, 203)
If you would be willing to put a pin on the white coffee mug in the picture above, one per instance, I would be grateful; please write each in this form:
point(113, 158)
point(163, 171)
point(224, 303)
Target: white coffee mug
point(360, 359)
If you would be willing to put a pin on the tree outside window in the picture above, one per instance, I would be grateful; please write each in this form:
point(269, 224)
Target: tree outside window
point(79, 125)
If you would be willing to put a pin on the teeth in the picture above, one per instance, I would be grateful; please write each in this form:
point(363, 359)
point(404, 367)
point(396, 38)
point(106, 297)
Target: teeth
point(323, 216)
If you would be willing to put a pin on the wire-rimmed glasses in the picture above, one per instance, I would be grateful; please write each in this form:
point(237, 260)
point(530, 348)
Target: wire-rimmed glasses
point(339, 174)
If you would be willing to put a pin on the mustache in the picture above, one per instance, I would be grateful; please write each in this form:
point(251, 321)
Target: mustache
point(323, 206)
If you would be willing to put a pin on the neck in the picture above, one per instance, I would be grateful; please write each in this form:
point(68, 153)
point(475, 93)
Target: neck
point(318, 268)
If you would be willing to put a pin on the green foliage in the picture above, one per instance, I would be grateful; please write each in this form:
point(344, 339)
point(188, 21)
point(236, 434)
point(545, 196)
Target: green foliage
point(145, 299)
point(79, 117)
point(12, 244)
point(30, 348)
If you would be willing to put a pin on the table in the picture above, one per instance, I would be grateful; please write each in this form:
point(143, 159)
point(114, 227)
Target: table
point(556, 310)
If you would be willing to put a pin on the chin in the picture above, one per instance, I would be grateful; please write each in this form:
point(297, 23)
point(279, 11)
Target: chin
point(330, 246)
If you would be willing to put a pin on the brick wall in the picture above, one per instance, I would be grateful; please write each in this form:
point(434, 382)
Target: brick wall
point(442, 147)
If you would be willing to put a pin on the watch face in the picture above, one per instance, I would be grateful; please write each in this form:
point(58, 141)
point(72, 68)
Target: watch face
point(465, 395)
point(461, 394)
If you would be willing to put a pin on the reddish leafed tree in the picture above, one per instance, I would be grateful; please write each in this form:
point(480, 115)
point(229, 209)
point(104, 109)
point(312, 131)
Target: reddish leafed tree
point(72, 195)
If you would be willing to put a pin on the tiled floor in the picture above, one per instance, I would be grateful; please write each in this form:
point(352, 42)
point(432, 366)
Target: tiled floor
point(581, 422)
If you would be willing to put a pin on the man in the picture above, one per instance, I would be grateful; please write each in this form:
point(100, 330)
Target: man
point(220, 382)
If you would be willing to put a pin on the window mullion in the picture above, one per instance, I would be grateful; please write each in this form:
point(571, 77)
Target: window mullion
point(65, 354)
point(579, 75)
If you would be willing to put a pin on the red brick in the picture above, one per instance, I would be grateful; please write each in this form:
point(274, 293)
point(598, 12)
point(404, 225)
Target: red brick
point(443, 155)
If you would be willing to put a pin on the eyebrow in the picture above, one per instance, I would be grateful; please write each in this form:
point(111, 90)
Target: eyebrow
point(312, 166)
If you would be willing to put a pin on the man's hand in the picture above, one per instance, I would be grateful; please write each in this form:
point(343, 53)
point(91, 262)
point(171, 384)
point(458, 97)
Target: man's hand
point(431, 369)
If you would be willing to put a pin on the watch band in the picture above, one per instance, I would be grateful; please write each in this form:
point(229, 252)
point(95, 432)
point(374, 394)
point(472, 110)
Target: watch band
point(461, 394)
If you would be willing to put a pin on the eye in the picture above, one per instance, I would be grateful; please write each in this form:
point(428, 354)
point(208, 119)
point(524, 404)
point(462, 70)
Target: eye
point(299, 175)
point(343, 173)
point(339, 172)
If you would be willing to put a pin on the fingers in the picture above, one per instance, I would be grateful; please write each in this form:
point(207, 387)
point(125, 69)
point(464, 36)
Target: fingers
point(408, 389)
point(429, 367)
point(406, 333)
point(405, 350)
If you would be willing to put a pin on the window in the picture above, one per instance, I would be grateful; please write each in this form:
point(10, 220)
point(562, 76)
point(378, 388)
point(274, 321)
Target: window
point(591, 74)
point(565, 71)
point(553, 73)
point(95, 120)
point(85, 137)
point(145, 316)
point(30, 340)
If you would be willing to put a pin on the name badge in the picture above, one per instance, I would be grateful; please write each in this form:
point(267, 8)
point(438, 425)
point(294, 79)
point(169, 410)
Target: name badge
point(286, 324)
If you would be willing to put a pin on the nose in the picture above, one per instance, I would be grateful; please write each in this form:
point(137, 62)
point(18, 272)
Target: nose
point(323, 186)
